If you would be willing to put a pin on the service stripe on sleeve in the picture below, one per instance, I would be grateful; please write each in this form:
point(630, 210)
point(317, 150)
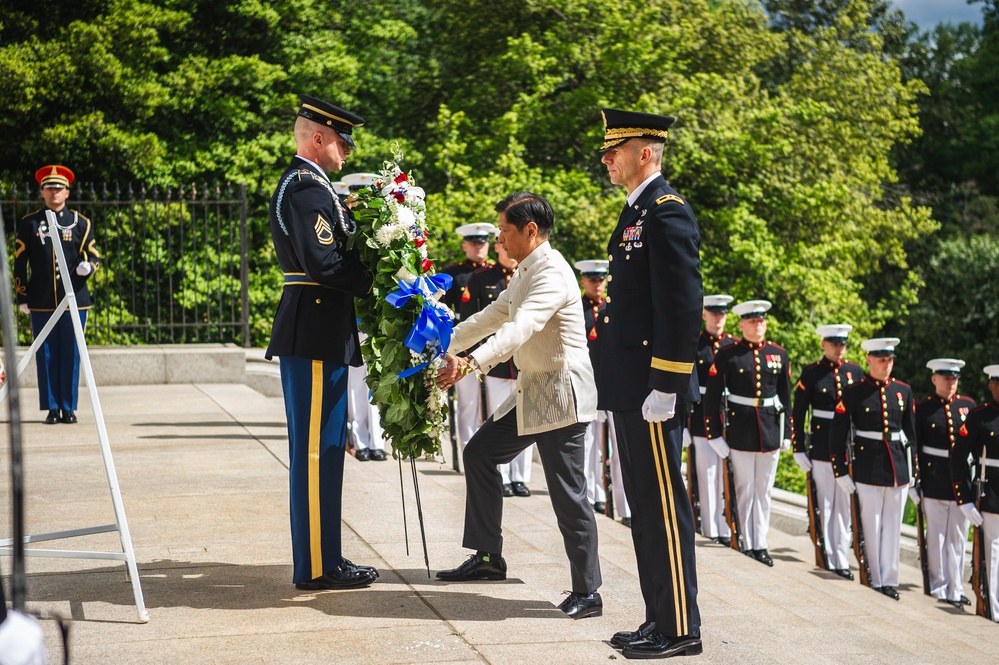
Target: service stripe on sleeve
point(672, 366)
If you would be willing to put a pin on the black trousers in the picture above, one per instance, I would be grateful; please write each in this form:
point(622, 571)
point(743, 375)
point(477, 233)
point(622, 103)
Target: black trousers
point(561, 450)
point(662, 523)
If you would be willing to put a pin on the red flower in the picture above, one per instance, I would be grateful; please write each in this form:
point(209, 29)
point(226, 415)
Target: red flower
point(427, 265)
point(399, 196)
point(402, 177)
point(419, 241)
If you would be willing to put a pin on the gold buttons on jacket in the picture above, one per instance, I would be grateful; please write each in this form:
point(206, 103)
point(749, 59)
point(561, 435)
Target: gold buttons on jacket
point(607, 298)
point(645, 342)
point(319, 301)
point(606, 319)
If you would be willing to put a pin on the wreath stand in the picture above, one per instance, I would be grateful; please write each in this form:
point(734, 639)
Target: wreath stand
point(127, 554)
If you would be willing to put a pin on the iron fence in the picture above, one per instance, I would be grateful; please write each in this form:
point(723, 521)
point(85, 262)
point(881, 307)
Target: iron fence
point(174, 265)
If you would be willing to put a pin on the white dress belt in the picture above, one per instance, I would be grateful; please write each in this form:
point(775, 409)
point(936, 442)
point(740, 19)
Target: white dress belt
point(937, 452)
point(877, 436)
point(755, 401)
point(822, 413)
point(992, 462)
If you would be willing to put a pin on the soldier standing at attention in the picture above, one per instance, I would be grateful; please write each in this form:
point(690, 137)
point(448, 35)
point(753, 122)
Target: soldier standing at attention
point(880, 409)
point(757, 374)
point(706, 461)
point(819, 388)
point(654, 300)
point(939, 417)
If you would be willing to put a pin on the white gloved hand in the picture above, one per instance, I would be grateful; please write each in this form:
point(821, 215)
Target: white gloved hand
point(785, 444)
point(601, 416)
point(21, 640)
point(659, 406)
point(972, 514)
point(803, 461)
point(720, 447)
point(686, 437)
point(914, 496)
point(24, 308)
point(846, 484)
point(84, 269)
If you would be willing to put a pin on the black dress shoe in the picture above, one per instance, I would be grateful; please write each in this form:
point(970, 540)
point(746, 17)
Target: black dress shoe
point(53, 417)
point(519, 488)
point(362, 455)
point(965, 600)
point(626, 521)
point(763, 557)
point(600, 507)
point(344, 576)
point(68, 417)
point(578, 606)
point(378, 455)
point(348, 562)
point(956, 604)
point(657, 645)
point(843, 572)
point(479, 566)
point(889, 591)
point(507, 489)
point(623, 638)
point(721, 540)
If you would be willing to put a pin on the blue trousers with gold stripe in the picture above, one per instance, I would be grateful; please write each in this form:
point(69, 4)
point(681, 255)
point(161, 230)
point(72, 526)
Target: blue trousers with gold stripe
point(315, 401)
point(662, 523)
point(57, 362)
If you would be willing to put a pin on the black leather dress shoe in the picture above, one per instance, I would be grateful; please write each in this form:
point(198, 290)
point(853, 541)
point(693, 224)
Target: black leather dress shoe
point(722, 540)
point(68, 417)
point(53, 417)
point(657, 645)
point(378, 455)
point(956, 604)
point(763, 557)
point(578, 606)
point(965, 600)
point(372, 569)
point(626, 521)
point(507, 489)
point(623, 638)
point(362, 455)
point(520, 489)
point(477, 567)
point(889, 591)
point(843, 572)
point(600, 507)
point(344, 576)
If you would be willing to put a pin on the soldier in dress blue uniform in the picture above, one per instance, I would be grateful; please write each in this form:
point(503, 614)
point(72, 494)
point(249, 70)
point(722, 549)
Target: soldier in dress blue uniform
point(315, 336)
point(475, 244)
point(706, 461)
point(938, 419)
point(757, 375)
point(654, 299)
point(483, 287)
point(39, 290)
point(879, 412)
point(977, 446)
point(819, 389)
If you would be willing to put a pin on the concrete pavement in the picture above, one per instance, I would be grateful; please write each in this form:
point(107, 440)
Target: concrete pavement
point(203, 473)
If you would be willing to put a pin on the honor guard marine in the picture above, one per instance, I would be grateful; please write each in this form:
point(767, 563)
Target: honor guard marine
point(816, 395)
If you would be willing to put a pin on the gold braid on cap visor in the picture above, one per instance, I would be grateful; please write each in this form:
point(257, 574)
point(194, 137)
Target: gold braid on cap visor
point(616, 136)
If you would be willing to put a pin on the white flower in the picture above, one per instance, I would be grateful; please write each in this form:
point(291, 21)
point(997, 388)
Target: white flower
point(417, 194)
point(404, 216)
point(390, 232)
point(403, 275)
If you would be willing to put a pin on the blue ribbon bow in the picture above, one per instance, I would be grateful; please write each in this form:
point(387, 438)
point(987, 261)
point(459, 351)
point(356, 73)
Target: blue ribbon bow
point(433, 325)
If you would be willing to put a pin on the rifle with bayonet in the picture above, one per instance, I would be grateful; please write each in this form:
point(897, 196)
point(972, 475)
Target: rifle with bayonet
point(980, 558)
point(924, 564)
point(859, 546)
point(728, 487)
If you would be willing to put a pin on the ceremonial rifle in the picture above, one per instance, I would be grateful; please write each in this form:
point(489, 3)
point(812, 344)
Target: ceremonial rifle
point(815, 523)
point(924, 564)
point(859, 546)
point(979, 556)
point(728, 487)
point(452, 424)
point(606, 466)
point(693, 489)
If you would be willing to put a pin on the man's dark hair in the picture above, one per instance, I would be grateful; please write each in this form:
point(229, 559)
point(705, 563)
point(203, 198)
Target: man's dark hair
point(523, 207)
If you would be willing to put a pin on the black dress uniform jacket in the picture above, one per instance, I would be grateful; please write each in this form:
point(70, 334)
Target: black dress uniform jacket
point(460, 274)
point(875, 406)
point(315, 318)
point(937, 424)
point(978, 435)
point(707, 347)
point(593, 314)
point(43, 290)
point(754, 371)
point(483, 287)
point(654, 300)
point(820, 386)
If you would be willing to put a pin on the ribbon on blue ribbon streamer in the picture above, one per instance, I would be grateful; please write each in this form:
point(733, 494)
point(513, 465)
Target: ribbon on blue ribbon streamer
point(432, 325)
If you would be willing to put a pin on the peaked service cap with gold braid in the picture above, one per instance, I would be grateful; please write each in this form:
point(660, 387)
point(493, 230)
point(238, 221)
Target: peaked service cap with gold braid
point(324, 113)
point(54, 175)
point(619, 126)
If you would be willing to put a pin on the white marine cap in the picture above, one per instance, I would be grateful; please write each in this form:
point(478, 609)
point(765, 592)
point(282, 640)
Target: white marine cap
point(834, 332)
point(592, 268)
point(752, 309)
point(881, 346)
point(951, 366)
point(717, 303)
point(358, 180)
point(992, 371)
point(478, 232)
point(341, 188)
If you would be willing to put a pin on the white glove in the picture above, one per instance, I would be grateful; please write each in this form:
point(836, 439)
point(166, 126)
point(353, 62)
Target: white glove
point(83, 269)
point(972, 514)
point(686, 437)
point(21, 640)
point(720, 447)
point(914, 496)
point(24, 308)
point(659, 406)
point(601, 416)
point(912, 481)
point(846, 484)
point(785, 444)
point(803, 461)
